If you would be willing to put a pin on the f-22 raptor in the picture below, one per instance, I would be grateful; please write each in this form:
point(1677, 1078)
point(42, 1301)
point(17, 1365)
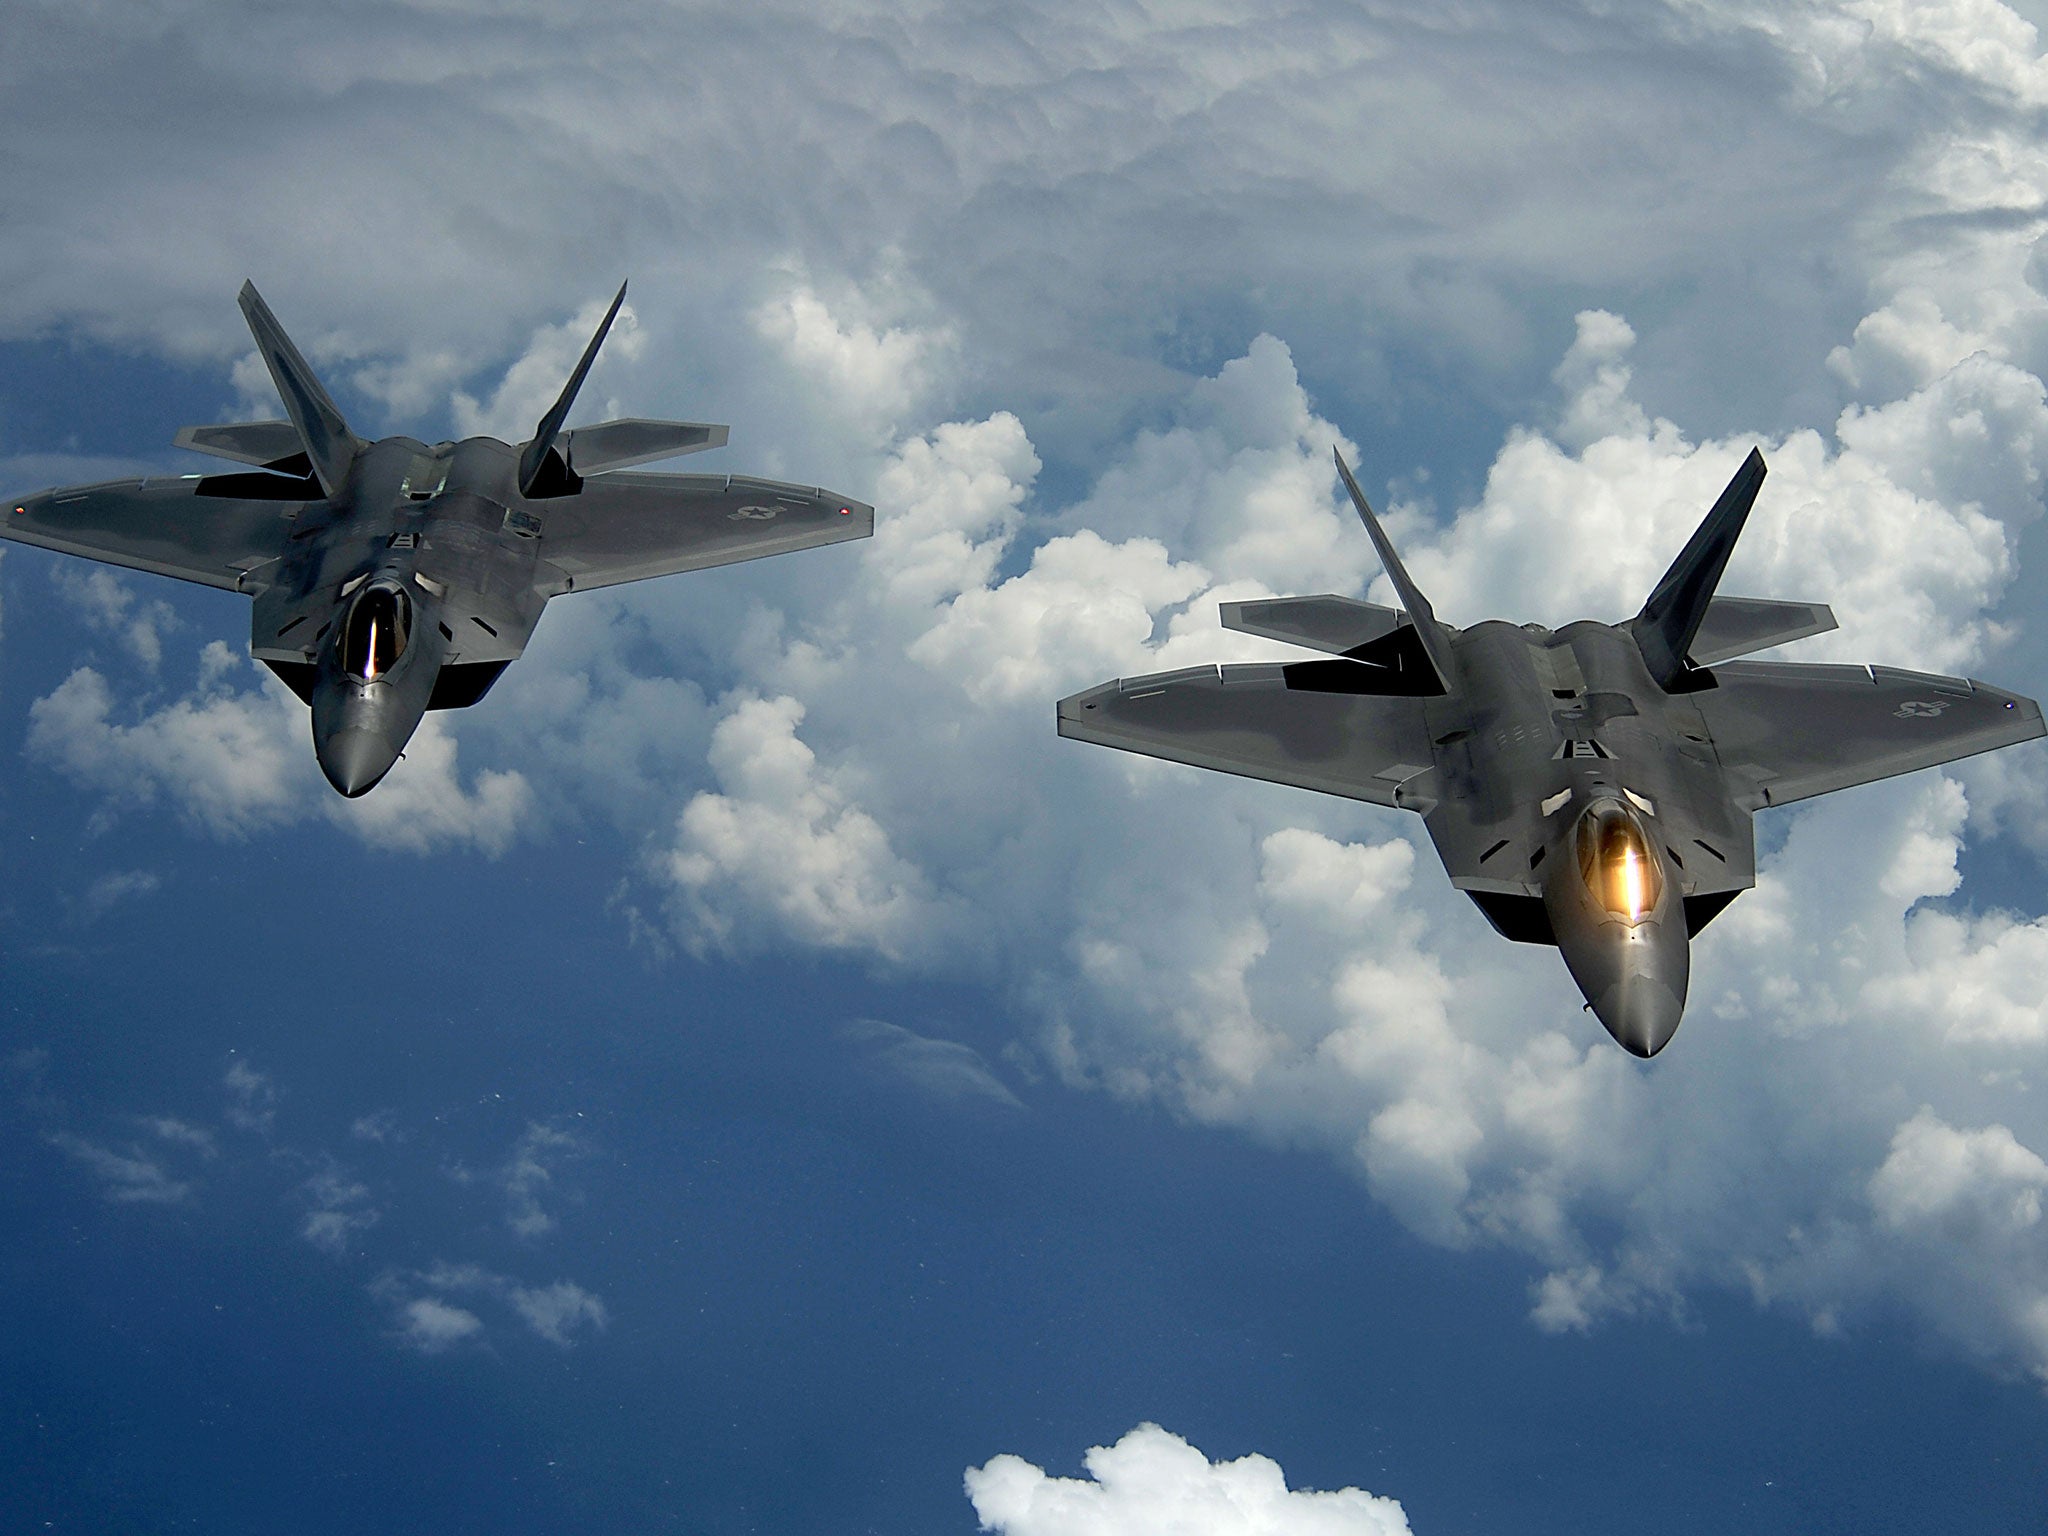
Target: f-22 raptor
point(395, 577)
point(1591, 787)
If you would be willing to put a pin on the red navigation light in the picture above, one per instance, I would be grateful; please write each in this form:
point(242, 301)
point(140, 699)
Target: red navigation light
point(843, 511)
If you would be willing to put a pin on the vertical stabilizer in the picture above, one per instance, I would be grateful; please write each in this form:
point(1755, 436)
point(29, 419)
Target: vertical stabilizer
point(329, 443)
point(1436, 645)
point(1665, 629)
point(540, 468)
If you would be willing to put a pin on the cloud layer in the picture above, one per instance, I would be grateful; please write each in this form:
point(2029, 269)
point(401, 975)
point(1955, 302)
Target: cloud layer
point(956, 265)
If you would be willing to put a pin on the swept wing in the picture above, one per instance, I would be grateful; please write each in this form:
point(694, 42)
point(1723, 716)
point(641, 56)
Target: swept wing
point(1793, 730)
point(208, 528)
point(1246, 720)
point(628, 526)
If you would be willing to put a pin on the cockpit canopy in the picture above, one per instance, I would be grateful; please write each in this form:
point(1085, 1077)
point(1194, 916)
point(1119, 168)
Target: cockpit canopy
point(373, 638)
point(1619, 867)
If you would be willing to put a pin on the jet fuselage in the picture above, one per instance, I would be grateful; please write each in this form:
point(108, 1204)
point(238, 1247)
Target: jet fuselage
point(434, 550)
point(1562, 766)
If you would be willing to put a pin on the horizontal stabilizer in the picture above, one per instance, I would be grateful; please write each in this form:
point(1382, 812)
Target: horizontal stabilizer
point(323, 434)
point(1326, 622)
point(619, 444)
point(1737, 626)
point(271, 444)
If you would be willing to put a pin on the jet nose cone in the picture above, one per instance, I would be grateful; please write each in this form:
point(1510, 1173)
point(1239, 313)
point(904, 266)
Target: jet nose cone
point(1641, 1013)
point(355, 759)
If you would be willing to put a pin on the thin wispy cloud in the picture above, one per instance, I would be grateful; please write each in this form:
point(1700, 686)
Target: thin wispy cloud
point(125, 1178)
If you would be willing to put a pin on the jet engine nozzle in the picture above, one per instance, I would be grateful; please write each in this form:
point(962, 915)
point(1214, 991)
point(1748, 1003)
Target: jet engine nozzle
point(1619, 921)
point(375, 680)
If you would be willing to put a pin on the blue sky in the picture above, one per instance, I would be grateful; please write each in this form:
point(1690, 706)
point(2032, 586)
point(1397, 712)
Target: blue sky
point(750, 1072)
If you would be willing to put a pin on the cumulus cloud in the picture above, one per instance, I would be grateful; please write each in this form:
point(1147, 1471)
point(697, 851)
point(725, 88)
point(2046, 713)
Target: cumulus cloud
point(237, 760)
point(1152, 1480)
point(536, 378)
point(1281, 963)
point(785, 843)
point(843, 350)
point(110, 605)
point(224, 755)
point(1903, 523)
point(1954, 1181)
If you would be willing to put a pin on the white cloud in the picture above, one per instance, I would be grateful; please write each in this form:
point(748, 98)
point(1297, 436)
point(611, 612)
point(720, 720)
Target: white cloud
point(529, 1176)
point(1152, 1480)
point(557, 1312)
point(1938, 1176)
point(431, 1325)
point(110, 606)
point(252, 1098)
point(1903, 526)
point(1084, 604)
point(1241, 482)
point(535, 380)
point(110, 890)
point(949, 502)
point(881, 371)
point(238, 761)
point(223, 756)
point(129, 1178)
point(340, 1209)
point(422, 805)
point(181, 1133)
point(785, 844)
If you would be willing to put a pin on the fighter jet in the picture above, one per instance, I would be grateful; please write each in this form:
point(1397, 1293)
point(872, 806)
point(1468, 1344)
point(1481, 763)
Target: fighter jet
point(395, 577)
point(1591, 787)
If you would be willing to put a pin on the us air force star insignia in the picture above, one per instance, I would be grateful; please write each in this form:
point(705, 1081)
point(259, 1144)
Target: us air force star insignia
point(759, 514)
point(1920, 708)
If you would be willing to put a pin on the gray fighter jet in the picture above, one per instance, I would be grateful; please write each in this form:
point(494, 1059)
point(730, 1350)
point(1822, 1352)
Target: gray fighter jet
point(395, 577)
point(1590, 787)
